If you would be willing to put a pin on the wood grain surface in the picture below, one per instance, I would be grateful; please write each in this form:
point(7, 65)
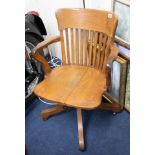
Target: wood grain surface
point(74, 86)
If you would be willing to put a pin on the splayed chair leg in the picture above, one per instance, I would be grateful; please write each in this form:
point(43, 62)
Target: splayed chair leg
point(80, 130)
point(112, 107)
point(51, 111)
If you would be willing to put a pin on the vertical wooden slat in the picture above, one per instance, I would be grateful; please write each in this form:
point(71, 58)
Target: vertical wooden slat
point(94, 48)
point(63, 48)
point(106, 54)
point(99, 50)
point(77, 47)
point(85, 47)
point(90, 49)
point(81, 48)
point(67, 46)
point(72, 45)
point(103, 51)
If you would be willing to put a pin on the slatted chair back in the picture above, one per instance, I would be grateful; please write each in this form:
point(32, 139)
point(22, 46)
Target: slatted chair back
point(86, 36)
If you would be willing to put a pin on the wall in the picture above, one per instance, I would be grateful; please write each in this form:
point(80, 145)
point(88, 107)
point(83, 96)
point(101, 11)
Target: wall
point(46, 9)
point(99, 4)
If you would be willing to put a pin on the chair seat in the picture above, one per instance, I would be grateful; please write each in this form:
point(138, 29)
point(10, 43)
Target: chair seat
point(73, 86)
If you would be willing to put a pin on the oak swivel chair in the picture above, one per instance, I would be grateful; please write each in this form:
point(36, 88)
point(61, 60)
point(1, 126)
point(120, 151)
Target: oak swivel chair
point(86, 38)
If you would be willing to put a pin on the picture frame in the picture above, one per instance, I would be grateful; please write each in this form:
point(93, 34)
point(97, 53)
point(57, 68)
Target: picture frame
point(127, 92)
point(122, 9)
point(118, 82)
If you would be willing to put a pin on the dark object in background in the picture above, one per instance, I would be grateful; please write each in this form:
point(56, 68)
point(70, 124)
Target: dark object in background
point(83, 3)
point(26, 152)
point(34, 31)
point(34, 25)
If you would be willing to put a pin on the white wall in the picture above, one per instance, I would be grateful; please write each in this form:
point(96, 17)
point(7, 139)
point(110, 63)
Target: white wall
point(99, 4)
point(46, 9)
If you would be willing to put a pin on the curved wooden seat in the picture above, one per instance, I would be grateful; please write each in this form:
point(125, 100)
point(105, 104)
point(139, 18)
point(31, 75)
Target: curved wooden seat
point(71, 85)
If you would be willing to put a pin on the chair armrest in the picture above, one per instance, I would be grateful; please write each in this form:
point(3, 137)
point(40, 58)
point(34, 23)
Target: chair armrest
point(113, 54)
point(39, 48)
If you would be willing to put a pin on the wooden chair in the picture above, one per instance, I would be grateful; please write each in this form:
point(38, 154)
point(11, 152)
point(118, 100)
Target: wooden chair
point(86, 37)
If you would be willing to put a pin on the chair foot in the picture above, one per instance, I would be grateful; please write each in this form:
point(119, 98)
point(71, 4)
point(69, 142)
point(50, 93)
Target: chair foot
point(51, 111)
point(80, 130)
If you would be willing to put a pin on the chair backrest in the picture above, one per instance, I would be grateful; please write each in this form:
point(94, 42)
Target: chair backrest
point(86, 35)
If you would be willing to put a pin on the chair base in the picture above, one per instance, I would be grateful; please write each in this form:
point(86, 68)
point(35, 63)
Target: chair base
point(45, 114)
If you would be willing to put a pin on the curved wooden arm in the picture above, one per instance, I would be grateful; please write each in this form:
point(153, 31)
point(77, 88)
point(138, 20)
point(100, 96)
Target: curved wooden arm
point(113, 54)
point(39, 48)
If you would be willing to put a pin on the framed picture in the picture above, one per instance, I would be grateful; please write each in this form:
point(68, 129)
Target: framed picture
point(127, 92)
point(122, 9)
point(118, 82)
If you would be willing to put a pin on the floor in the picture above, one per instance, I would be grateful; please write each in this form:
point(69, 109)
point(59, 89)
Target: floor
point(105, 134)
